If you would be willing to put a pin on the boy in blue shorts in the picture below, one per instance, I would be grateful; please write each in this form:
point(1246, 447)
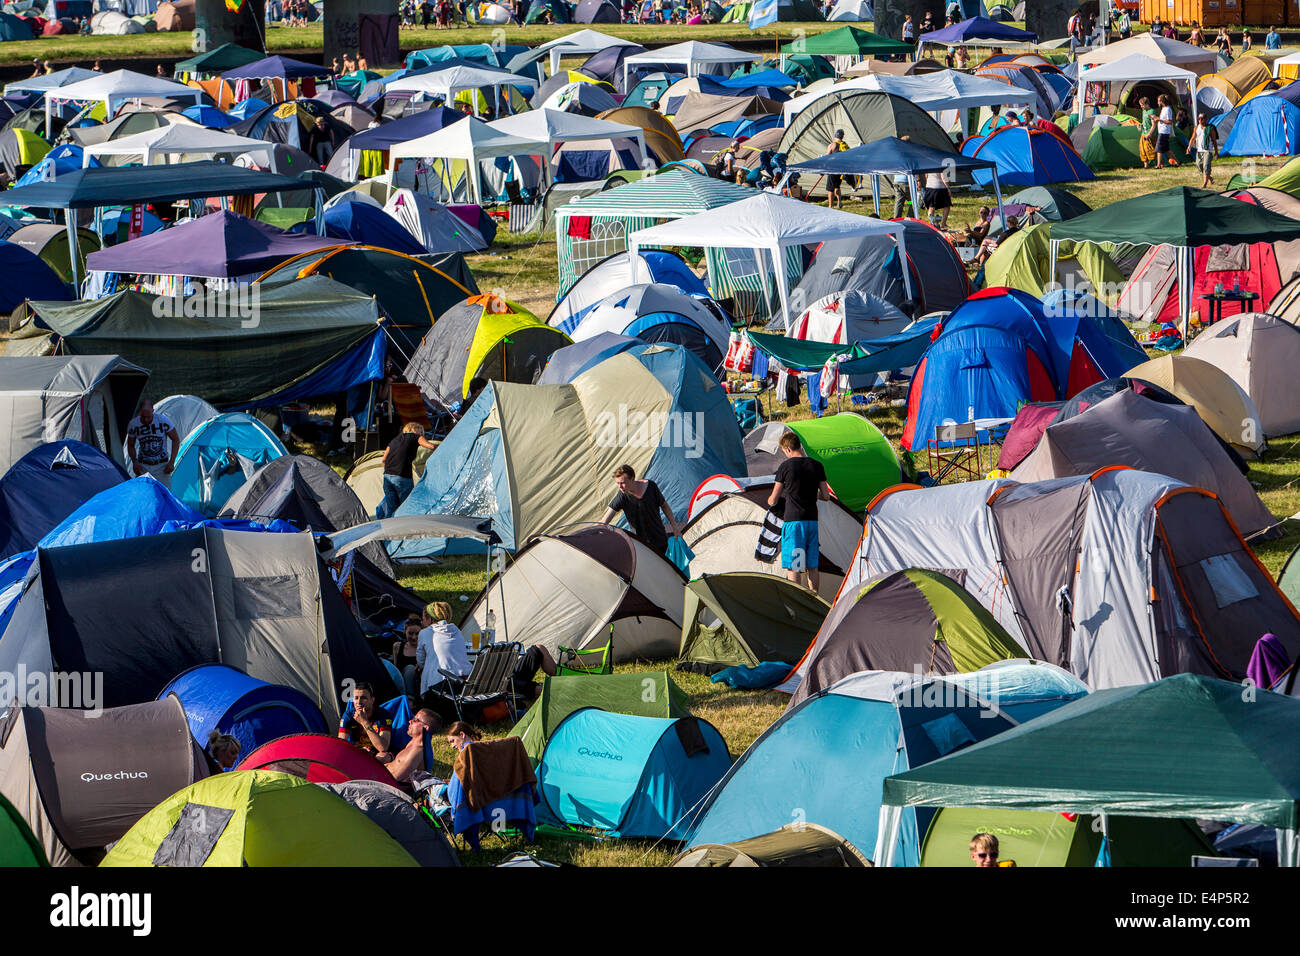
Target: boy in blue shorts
point(800, 481)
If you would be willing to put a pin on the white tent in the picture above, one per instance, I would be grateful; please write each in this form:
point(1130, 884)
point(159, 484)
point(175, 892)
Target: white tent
point(458, 79)
point(433, 225)
point(115, 89)
point(771, 223)
point(178, 144)
point(581, 43)
point(1259, 352)
point(470, 140)
point(50, 81)
point(852, 11)
point(553, 127)
point(1135, 66)
point(693, 56)
point(1197, 59)
point(932, 92)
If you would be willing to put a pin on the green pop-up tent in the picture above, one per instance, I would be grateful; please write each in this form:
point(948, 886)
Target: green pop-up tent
point(746, 618)
point(848, 41)
point(858, 458)
point(1188, 746)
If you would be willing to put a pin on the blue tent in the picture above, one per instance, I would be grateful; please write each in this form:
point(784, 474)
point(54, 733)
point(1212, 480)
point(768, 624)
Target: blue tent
point(656, 312)
point(824, 760)
point(1003, 347)
point(649, 89)
point(45, 486)
point(217, 458)
point(211, 117)
point(358, 221)
point(63, 158)
point(24, 275)
point(247, 108)
point(116, 223)
point(1026, 156)
point(254, 712)
point(490, 54)
point(568, 363)
point(748, 85)
point(1263, 126)
point(629, 776)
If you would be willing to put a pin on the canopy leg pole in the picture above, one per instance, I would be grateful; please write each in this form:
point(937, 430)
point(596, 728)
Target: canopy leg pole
point(1185, 280)
point(875, 193)
point(70, 223)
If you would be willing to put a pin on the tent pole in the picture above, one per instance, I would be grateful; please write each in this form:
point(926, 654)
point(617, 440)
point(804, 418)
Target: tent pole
point(70, 224)
point(1185, 280)
point(907, 272)
point(875, 192)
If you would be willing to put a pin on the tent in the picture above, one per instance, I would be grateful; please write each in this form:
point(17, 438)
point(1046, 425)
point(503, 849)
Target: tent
point(692, 56)
point(848, 41)
point(221, 245)
point(361, 221)
point(186, 412)
point(1263, 126)
point(842, 318)
point(552, 128)
point(1003, 347)
point(257, 818)
point(177, 144)
point(1076, 562)
point(580, 590)
point(629, 776)
point(625, 693)
point(215, 61)
point(362, 155)
point(865, 116)
point(217, 458)
point(1086, 758)
point(312, 336)
point(45, 486)
point(745, 618)
point(392, 811)
point(872, 265)
point(571, 436)
point(435, 227)
point(18, 846)
point(1199, 60)
point(913, 621)
point(221, 699)
point(1126, 429)
point(597, 11)
point(589, 99)
point(568, 363)
point(1026, 156)
point(20, 150)
point(948, 92)
point(228, 604)
point(852, 735)
point(465, 146)
point(794, 845)
point(858, 458)
point(622, 269)
point(1136, 68)
point(656, 313)
point(579, 43)
point(1222, 404)
point(1257, 351)
point(49, 81)
point(852, 11)
point(320, 758)
point(64, 254)
point(46, 399)
point(976, 31)
point(24, 275)
point(482, 337)
point(79, 784)
point(453, 83)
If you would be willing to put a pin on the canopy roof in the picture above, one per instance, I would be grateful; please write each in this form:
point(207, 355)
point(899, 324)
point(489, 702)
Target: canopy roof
point(890, 155)
point(114, 89)
point(580, 43)
point(117, 185)
point(50, 81)
point(1126, 750)
point(943, 90)
point(555, 126)
point(1149, 45)
point(692, 55)
point(277, 68)
point(470, 139)
point(225, 57)
point(1137, 66)
point(155, 145)
point(447, 83)
point(667, 195)
point(847, 41)
point(221, 245)
point(1180, 216)
point(979, 28)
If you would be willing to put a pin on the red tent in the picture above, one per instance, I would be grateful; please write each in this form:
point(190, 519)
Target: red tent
point(318, 758)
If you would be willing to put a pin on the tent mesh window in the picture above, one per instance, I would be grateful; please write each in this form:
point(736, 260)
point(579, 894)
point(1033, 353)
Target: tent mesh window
point(608, 236)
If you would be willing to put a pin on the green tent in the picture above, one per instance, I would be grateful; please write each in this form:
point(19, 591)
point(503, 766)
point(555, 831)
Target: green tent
point(1180, 216)
point(642, 694)
point(858, 458)
point(1041, 838)
point(1186, 746)
point(228, 56)
point(911, 620)
point(18, 847)
point(746, 618)
point(848, 41)
point(256, 818)
point(1116, 147)
point(1288, 579)
point(1286, 179)
point(1024, 261)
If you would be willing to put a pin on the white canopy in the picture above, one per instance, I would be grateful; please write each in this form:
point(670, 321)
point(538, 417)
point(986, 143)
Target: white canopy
point(51, 81)
point(471, 140)
point(553, 127)
point(932, 92)
point(692, 55)
point(1135, 66)
point(1163, 49)
point(179, 143)
point(458, 79)
point(114, 89)
point(768, 222)
point(581, 43)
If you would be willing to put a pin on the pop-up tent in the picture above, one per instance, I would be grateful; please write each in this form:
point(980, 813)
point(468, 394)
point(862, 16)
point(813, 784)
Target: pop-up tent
point(79, 784)
point(459, 148)
point(1131, 68)
point(744, 619)
point(858, 458)
point(320, 758)
point(218, 457)
point(45, 486)
point(1026, 156)
point(394, 813)
point(1222, 404)
point(113, 90)
point(1257, 351)
point(1123, 751)
point(257, 818)
point(177, 144)
point(629, 776)
point(582, 589)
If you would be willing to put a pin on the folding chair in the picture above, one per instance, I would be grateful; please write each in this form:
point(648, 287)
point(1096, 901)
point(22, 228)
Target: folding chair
point(594, 660)
point(409, 404)
point(488, 682)
point(955, 450)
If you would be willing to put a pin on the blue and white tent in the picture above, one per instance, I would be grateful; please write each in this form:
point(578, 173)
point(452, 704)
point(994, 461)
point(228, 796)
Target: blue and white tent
point(1264, 125)
point(217, 458)
point(656, 312)
point(629, 776)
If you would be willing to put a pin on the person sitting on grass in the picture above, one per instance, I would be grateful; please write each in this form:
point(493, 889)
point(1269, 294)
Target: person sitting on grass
point(368, 727)
point(460, 735)
point(990, 245)
point(410, 759)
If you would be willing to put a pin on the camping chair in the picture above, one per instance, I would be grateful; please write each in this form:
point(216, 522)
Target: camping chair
point(594, 660)
point(489, 682)
point(517, 808)
point(408, 403)
point(955, 449)
point(524, 213)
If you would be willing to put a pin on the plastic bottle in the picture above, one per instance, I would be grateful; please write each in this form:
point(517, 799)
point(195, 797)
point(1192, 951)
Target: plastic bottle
point(490, 627)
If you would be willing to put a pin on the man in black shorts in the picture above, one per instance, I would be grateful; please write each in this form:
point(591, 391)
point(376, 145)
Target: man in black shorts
point(834, 199)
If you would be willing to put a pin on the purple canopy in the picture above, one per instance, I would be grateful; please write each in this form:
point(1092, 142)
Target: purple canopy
point(976, 28)
point(277, 68)
point(219, 245)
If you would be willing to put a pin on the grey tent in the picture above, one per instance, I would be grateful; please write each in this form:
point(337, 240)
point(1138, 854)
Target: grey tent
point(707, 110)
point(141, 610)
point(1260, 353)
point(1127, 429)
point(746, 618)
point(80, 784)
point(581, 589)
point(187, 412)
point(88, 397)
point(393, 812)
point(795, 844)
point(870, 265)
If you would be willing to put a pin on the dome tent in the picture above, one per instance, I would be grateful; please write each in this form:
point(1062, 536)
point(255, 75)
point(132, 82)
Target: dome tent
point(744, 619)
point(1259, 352)
point(1221, 402)
point(256, 818)
point(657, 313)
point(319, 758)
point(858, 458)
point(615, 273)
point(48, 484)
point(392, 811)
point(1027, 156)
point(218, 457)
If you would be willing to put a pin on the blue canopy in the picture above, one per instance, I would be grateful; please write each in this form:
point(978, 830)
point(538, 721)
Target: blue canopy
point(407, 128)
point(890, 155)
point(715, 87)
point(219, 698)
point(768, 77)
point(358, 221)
point(45, 486)
point(979, 28)
point(277, 68)
point(25, 275)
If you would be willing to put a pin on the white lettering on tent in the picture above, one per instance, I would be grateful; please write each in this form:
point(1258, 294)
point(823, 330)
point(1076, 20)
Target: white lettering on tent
point(74, 910)
point(632, 428)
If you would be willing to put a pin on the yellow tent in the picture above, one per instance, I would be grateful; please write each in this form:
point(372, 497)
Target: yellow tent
point(1024, 261)
point(1221, 402)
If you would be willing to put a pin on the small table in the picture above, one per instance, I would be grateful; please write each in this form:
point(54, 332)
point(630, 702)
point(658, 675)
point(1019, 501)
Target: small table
point(1214, 302)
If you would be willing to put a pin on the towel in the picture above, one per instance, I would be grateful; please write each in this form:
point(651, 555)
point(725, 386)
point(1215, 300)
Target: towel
point(492, 769)
point(769, 537)
point(1268, 662)
point(580, 227)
